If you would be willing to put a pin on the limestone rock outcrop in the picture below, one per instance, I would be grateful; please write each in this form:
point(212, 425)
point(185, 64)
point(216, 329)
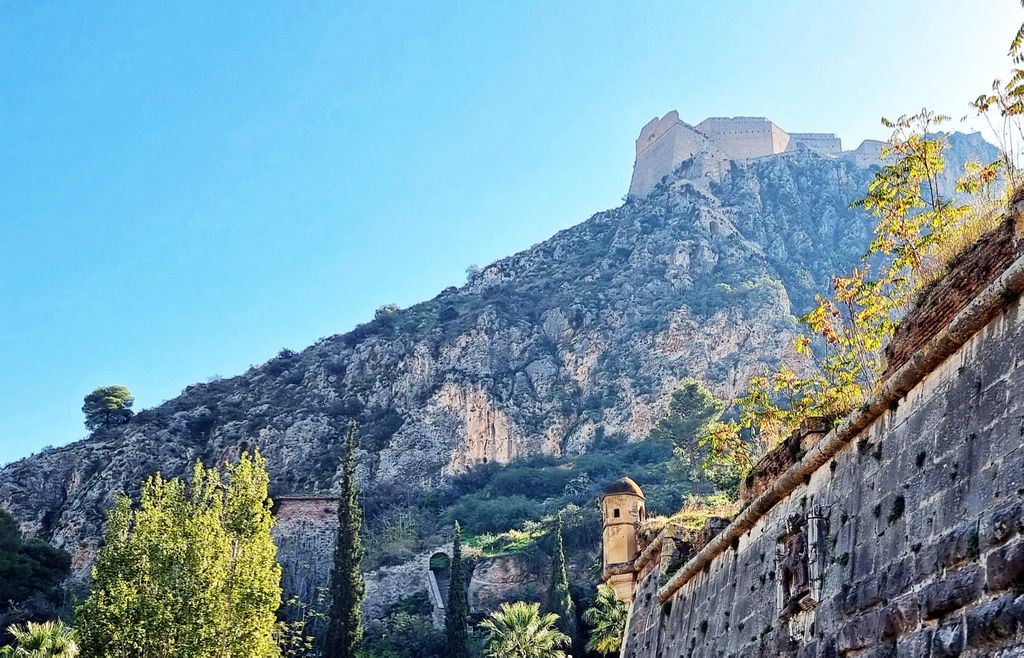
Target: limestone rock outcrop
point(590, 330)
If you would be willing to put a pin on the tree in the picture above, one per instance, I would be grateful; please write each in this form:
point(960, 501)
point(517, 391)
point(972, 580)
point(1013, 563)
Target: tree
point(692, 407)
point(190, 573)
point(607, 620)
point(518, 630)
point(457, 612)
point(107, 406)
point(50, 639)
point(559, 600)
point(692, 410)
point(386, 311)
point(345, 618)
point(850, 327)
point(30, 574)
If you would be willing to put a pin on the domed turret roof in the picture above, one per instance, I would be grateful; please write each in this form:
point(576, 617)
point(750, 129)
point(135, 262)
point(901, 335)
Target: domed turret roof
point(625, 486)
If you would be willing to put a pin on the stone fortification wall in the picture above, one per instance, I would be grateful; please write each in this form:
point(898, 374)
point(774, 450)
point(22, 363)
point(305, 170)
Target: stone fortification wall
point(744, 138)
point(663, 144)
point(905, 538)
point(868, 153)
point(305, 535)
point(824, 142)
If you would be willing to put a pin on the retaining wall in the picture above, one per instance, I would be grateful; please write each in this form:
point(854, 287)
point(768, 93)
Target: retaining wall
point(907, 541)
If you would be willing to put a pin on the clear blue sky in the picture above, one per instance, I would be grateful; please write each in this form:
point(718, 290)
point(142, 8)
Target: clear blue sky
point(186, 188)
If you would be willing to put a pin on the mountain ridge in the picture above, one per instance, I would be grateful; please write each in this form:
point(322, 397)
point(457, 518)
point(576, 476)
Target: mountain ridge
point(584, 334)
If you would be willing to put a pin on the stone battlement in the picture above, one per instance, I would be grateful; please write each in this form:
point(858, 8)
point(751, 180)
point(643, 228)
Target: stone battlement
point(666, 142)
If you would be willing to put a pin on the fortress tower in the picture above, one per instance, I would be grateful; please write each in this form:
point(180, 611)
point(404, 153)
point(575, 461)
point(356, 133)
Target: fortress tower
point(665, 143)
point(623, 509)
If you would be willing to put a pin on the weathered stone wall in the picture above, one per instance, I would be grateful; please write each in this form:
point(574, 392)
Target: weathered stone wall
point(500, 579)
point(824, 142)
point(743, 138)
point(868, 153)
point(663, 144)
point(910, 542)
point(305, 535)
point(978, 267)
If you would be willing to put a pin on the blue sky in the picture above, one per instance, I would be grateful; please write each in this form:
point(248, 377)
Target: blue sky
point(187, 188)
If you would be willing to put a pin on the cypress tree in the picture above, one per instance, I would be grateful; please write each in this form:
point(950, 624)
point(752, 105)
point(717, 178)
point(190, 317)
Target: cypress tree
point(345, 623)
point(559, 599)
point(457, 612)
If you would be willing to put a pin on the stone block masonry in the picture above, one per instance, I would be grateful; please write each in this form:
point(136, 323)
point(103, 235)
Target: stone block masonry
point(907, 541)
point(665, 143)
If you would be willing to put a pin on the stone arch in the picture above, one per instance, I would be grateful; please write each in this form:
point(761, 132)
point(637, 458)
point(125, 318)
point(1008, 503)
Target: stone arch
point(440, 574)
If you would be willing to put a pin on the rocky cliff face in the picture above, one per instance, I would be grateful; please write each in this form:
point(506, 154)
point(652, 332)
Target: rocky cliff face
point(588, 331)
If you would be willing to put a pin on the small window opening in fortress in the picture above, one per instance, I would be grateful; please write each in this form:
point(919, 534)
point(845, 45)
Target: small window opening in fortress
point(615, 512)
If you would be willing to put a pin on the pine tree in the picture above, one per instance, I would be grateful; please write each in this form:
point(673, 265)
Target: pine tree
point(457, 612)
point(345, 624)
point(559, 599)
point(191, 573)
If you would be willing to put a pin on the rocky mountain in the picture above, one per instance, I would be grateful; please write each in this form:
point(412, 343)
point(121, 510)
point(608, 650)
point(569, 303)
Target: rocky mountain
point(583, 335)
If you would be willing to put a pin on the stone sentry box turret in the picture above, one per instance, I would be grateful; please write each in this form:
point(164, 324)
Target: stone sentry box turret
point(623, 508)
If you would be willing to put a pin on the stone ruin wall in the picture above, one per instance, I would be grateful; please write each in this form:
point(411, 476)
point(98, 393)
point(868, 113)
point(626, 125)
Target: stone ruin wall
point(305, 533)
point(908, 542)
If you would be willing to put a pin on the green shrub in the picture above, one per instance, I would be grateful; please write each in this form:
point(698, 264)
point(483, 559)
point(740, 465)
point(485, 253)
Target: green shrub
point(403, 635)
point(530, 482)
point(479, 514)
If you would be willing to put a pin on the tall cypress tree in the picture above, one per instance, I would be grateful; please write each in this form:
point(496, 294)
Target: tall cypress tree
point(457, 612)
point(345, 623)
point(559, 599)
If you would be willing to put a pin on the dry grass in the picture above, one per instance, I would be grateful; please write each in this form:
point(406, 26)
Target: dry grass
point(697, 510)
point(694, 514)
point(984, 217)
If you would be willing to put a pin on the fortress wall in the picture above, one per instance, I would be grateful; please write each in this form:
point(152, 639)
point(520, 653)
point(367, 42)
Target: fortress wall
point(743, 138)
point(868, 153)
point(305, 533)
point(824, 142)
point(666, 142)
point(780, 139)
point(655, 129)
point(660, 157)
point(910, 539)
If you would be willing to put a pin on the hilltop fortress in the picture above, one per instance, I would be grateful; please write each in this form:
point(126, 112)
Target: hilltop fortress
point(666, 142)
